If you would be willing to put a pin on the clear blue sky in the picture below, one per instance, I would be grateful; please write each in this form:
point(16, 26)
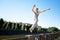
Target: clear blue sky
point(21, 11)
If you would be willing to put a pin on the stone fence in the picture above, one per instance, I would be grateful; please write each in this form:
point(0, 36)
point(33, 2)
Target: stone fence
point(45, 36)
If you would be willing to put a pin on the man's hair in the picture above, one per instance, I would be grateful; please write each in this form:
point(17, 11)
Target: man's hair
point(36, 8)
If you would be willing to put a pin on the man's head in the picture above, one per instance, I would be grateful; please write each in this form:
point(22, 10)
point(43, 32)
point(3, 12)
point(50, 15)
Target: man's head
point(36, 8)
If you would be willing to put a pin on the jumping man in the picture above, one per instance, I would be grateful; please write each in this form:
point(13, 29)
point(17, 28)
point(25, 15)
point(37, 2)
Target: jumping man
point(36, 12)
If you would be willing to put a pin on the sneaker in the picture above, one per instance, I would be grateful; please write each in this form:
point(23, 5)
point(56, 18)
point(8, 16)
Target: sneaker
point(30, 30)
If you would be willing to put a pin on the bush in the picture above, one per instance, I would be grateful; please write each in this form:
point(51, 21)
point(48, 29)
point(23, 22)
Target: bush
point(52, 29)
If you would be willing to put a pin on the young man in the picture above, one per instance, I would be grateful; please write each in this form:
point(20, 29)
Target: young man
point(36, 12)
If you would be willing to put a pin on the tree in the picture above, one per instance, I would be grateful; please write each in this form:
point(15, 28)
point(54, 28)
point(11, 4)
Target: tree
point(52, 29)
point(10, 26)
point(44, 29)
point(35, 30)
point(19, 25)
point(1, 23)
point(28, 26)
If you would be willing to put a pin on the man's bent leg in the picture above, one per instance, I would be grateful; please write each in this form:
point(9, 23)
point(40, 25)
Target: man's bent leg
point(33, 26)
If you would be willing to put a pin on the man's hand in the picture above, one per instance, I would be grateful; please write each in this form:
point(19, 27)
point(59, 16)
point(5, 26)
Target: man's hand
point(33, 9)
point(34, 5)
point(48, 9)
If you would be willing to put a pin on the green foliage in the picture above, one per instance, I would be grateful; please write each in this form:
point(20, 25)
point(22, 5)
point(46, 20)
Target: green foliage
point(4, 25)
point(1, 22)
point(35, 30)
point(19, 25)
point(28, 26)
point(44, 29)
point(10, 27)
point(52, 29)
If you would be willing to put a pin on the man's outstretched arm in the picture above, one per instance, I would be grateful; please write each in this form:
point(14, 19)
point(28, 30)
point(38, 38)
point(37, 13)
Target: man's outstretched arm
point(44, 10)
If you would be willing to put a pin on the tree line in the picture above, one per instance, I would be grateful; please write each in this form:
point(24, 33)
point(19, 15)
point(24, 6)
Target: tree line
point(4, 25)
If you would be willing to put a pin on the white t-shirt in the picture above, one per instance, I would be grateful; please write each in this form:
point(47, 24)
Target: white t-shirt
point(36, 14)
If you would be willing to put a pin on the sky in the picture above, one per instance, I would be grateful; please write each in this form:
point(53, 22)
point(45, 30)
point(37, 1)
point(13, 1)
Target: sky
point(21, 11)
